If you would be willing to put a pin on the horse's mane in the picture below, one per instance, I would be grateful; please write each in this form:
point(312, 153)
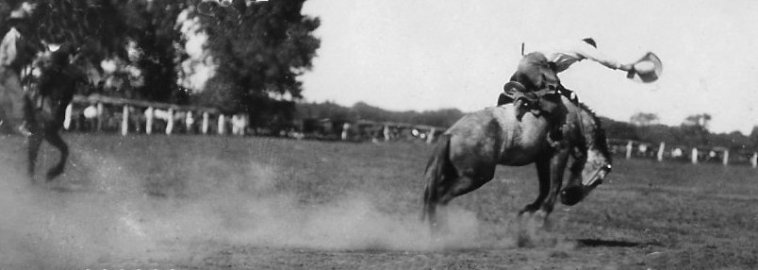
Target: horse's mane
point(599, 139)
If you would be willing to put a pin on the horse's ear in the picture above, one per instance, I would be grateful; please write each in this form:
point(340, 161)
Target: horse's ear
point(513, 87)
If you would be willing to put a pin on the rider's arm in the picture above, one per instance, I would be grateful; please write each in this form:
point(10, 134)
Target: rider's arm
point(587, 51)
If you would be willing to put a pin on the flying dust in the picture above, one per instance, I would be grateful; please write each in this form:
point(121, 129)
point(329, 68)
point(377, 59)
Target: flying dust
point(106, 215)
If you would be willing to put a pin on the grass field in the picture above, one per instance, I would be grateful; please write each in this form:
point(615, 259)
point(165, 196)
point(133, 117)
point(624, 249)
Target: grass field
point(258, 203)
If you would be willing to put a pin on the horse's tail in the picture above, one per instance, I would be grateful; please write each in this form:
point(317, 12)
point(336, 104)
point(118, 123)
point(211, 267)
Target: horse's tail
point(438, 165)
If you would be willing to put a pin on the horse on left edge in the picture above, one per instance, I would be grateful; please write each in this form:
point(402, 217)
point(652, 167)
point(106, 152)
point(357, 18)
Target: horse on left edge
point(46, 103)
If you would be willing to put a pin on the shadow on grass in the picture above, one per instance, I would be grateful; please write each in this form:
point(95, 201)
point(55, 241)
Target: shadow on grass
point(612, 243)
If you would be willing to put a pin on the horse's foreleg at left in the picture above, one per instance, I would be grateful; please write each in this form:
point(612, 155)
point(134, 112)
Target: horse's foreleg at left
point(550, 175)
point(557, 167)
point(55, 139)
point(32, 148)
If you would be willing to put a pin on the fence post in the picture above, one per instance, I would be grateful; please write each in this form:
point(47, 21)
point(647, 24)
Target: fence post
point(629, 147)
point(345, 129)
point(170, 121)
point(726, 157)
point(244, 122)
point(660, 151)
point(386, 133)
point(694, 155)
point(100, 109)
point(205, 123)
point(221, 124)
point(149, 120)
point(67, 118)
point(754, 160)
point(189, 120)
point(430, 136)
point(125, 121)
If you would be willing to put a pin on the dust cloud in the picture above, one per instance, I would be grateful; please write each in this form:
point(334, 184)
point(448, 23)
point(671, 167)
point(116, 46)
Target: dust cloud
point(101, 214)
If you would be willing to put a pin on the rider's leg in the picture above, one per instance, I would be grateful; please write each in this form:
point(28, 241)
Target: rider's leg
point(555, 111)
point(530, 71)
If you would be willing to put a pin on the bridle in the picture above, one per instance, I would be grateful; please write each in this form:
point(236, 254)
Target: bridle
point(594, 180)
point(606, 168)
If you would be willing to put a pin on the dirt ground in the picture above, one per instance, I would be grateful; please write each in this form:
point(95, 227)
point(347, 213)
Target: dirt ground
point(186, 202)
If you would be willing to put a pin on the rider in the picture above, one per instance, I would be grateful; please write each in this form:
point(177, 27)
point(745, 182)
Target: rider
point(14, 52)
point(537, 76)
point(539, 69)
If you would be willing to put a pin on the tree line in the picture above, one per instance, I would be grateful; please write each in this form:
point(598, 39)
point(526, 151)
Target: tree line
point(363, 111)
point(644, 127)
point(693, 131)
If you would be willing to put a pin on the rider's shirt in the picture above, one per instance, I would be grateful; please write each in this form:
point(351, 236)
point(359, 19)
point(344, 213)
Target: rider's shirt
point(566, 53)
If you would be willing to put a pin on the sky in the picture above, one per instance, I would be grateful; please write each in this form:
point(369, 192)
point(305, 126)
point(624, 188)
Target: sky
point(431, 54)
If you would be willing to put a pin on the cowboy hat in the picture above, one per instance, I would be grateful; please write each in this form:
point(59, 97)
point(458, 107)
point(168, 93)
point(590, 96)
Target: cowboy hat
point(647, 69)
point(23, 11)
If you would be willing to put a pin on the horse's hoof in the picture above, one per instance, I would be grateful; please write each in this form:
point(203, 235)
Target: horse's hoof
point(528, 209)
point(572, 195)
point(52, 175)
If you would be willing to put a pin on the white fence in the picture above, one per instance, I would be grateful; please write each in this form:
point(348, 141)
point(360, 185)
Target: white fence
point(101, 113)
point(693, 155)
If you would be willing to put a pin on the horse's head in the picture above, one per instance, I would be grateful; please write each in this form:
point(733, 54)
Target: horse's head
point(591, 159)
point(56, 56)
point(56, 72)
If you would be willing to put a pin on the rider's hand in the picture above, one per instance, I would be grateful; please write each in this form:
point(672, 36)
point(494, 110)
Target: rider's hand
point(627, 67)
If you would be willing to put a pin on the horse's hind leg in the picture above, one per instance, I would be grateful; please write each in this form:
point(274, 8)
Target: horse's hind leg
point(460, 186)
point(33, 145)
point(447, 179)
point(446, 192)
point(55, 139)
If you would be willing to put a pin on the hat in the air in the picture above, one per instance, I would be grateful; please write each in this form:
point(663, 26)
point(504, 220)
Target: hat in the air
point(647, 69)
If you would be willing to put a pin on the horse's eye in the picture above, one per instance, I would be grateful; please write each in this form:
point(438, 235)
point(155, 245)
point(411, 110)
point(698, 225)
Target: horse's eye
point(608, 168)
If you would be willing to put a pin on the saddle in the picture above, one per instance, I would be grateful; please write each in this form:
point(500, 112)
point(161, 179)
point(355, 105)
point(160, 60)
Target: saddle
point(543, 101)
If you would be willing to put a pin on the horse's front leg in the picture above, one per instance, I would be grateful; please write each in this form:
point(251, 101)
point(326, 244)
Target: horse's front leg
point(543, 175)
point(32, 147)
point(55, 139)
point(550, 174)
point(557, 166)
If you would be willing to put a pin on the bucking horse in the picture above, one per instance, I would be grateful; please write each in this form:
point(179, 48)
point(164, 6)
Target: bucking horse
point(466, 155)
point(46, 103)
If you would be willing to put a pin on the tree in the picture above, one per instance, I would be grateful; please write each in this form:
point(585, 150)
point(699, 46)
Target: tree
point(95, 27)
point(644, 119)
point(700, 120)
point(261, 49)
point(695, 129)
point(153, 29)
point(754, 137)
point(619, 130)
point(103, 30)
